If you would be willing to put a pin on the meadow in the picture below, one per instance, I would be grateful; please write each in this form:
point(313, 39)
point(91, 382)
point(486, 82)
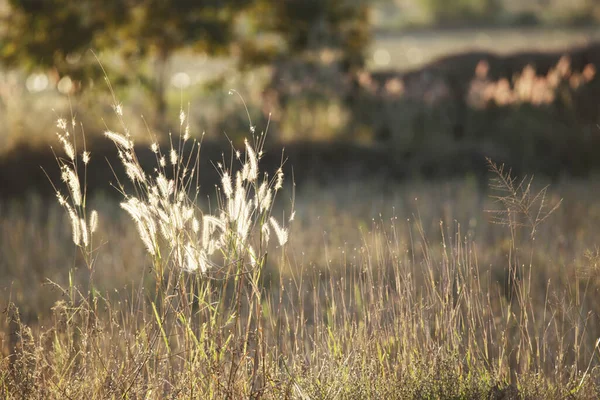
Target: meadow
point(195, 268)
point(368, 290)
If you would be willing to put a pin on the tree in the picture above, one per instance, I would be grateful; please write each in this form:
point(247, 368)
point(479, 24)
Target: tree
point(156, 29)
point(44, 34)
point(313, 47)
point(301, 28)
point(48, 34)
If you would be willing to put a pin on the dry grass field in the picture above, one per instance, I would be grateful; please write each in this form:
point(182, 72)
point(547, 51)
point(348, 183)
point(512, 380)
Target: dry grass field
point(202, 268)
point(364, 290)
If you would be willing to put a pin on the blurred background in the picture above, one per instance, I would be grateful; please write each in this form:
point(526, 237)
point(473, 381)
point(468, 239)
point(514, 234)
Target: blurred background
point(385, 108)
point(409, 88)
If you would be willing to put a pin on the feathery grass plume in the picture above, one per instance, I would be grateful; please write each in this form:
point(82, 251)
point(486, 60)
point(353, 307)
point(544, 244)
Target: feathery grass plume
point(164, 207)
point(70, 178)
point(173, 156)
point(61, 199)
point(63, 139)
point(75, 225)
point(210, 225)
point(119, 140)
point(147, 238)
point(166, 186)
point(263, 197)
point(84, 232)
point(226, 182)
point(93, 221)
point(195, 260)
point(281, 233)
point(75, 205)
point(134, 172)
point(253, 172)
point(191, 263)
point(85, 157)
point(238, 206)
point(186, 134)
point(279, 183)
point(132, 206)
point(62, 124)
point(68, 147)
point(144, 222)
point(266, 233)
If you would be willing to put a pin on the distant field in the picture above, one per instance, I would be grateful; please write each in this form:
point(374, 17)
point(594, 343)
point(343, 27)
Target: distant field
point(412, 50)
point(401, 51)
point(408, 50)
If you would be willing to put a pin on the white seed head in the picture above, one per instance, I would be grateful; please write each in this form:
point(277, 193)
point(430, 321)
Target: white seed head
point(209, 227)
point(226, 182)
point(61, 199)
point(266, 233)
point(70, 177)
point(191, 258)
point(135, 208)
point(165, 186)
point(263, 197)
point(239, 182)
point(69, 150)
point(253, 173)
point(84, 232)
point(119, 139)
point(281, 233)
point(134, 172)
point(173, 156)
point(85, 157)
point(154, 147)
point(146, 238)
point(279, 182)
point(75, 226)
point(246, 171)
point(93, 221)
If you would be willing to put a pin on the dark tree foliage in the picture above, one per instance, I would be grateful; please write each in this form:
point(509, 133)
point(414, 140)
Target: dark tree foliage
point(43, 34)
point(305, 27)
point(54, 34)
point(155, 29)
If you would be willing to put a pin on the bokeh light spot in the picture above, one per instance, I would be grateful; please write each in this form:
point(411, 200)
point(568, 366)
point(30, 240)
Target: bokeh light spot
point(65, 85)
point(180, 80)
point(382, 57)
point(36, 83)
